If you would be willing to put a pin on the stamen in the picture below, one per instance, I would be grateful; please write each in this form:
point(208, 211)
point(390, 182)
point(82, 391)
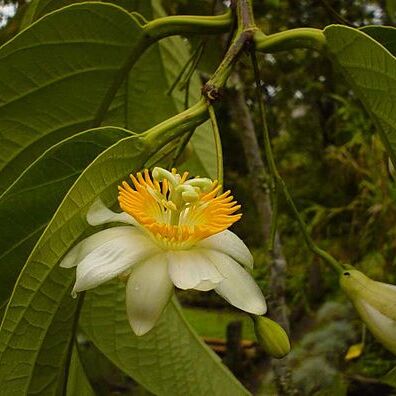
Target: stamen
point(175, 211)
point(165, 187)
point(184, 177)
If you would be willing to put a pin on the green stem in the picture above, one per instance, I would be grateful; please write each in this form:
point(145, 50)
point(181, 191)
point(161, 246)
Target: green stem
point(278, 182)
point(328, 258)
point(176, 126)
point(187, 78)
point(243, 35)
point(275, 213)
point(245, 14)
point(219, 152)
point(290, 39)
point(188, 24)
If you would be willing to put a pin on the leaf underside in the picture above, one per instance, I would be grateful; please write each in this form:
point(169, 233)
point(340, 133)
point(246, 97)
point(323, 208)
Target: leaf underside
point(29, 203)
point(169, 360)
point(371, 70)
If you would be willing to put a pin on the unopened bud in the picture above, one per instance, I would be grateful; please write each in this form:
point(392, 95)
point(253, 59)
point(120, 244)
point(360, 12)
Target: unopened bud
point(272, 337)
point(376, 304)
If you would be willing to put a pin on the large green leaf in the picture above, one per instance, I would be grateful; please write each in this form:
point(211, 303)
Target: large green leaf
point(29, 203)
point(48, 375)
point(39, 322)
point(37, 8)
point(22, 213)
point(371, 70)
point(41, 299)
point(169, 360)
point(385, 35)
point(77, 383)
point(58, 76)
point(37, 331)
point(78, 77)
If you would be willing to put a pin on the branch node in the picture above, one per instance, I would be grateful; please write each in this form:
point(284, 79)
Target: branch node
point(212, 93)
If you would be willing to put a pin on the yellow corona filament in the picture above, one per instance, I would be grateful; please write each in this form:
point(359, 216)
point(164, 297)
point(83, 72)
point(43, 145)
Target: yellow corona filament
point(172, 221)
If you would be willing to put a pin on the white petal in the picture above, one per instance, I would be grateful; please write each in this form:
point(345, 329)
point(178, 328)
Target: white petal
point(112, 258)
point(206, 285)
point(188, 268)
point(382, 327)
point(387, 286)
point(99, 214)
point(82, 249)
point(229, 243)
point(149, 290)
point(238, 287)
point(385, 299)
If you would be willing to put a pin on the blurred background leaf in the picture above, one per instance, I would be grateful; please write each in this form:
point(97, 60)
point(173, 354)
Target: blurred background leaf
point(372, 72)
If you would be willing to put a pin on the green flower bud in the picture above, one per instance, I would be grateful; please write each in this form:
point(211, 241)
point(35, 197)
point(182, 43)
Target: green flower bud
point(376, 304)
point(272, 337)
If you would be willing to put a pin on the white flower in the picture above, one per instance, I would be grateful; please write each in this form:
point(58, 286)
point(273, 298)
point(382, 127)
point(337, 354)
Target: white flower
point(376, 304)
point(176, 234)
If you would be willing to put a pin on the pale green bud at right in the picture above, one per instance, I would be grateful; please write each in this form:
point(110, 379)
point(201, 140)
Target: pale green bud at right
point(376, 304)
point(272, 337)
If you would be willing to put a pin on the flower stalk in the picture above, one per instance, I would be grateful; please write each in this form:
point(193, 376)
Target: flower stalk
point(219, 152)
point(242, 38)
